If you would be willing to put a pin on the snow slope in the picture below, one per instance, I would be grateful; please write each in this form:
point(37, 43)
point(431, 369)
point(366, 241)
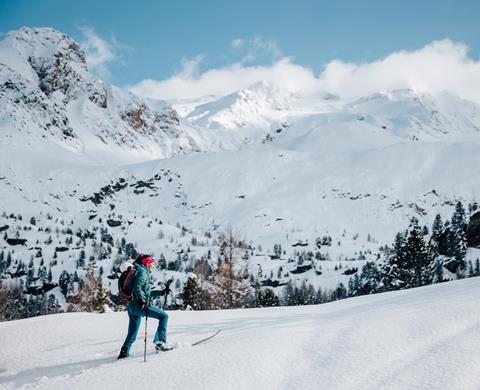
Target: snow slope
point(425, 338)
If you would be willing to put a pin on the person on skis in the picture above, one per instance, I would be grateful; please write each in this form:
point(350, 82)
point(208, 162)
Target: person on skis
point(139, 306)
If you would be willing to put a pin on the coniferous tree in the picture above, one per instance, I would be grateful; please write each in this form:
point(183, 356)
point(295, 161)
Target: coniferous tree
point(190, 293)
point(64, 282)
point(396, 269)
point(437, 231)
point(3, 263)
point(162, 262)
point(289, 294)
point(42, 274)
point(9, 260)
point(340, 292)
point(412, 261)
point(425, 231)
point(370, 279)
point(13, 305)
point(267, 298)
point(458, 236)
point(421, 256)
point(52, 305)
point(354, 285)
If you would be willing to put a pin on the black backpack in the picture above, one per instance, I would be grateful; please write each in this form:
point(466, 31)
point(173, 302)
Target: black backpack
point(125, 283)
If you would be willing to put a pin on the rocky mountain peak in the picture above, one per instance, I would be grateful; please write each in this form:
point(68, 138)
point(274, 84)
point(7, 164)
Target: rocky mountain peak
point(45, 88)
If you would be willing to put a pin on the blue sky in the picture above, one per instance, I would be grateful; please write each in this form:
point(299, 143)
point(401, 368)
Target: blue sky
point(151, 38)
point(187, 49)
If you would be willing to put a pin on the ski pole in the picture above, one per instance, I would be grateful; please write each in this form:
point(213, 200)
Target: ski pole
point(145, 340)
point(167, 287)
point(165, 301)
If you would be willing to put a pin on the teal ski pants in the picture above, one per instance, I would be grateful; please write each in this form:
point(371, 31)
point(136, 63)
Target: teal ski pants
point(135, 314)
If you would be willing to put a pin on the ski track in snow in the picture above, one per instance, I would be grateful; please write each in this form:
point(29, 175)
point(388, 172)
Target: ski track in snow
point(424, 338)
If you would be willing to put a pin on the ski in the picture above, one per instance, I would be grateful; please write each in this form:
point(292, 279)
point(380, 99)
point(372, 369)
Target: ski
point(157, 351)
point(207, 338)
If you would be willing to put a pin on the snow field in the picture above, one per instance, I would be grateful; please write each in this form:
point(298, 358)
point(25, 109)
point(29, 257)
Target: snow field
point(424, 338)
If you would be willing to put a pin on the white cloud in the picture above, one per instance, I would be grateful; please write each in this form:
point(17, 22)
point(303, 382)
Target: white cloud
point(257, 49)
point(224, 80)
point(440, 65)
point(264, 45)
point(189, 66)
point(236, 43)
point(98, 51)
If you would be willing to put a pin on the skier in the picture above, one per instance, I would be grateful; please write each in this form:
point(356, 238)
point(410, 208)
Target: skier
point(139, 306)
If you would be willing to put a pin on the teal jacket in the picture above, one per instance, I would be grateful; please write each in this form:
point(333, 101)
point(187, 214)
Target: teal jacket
point(142, 285)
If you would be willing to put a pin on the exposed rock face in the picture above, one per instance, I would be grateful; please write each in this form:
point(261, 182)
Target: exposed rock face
point(113, 223)
point(16, 241)
point(145, 121)
point(47, 91)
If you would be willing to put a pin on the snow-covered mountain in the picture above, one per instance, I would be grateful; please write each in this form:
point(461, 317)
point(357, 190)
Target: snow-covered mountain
point(284, 167)
point(254, 107)
point(404, 113)
point(47, 96)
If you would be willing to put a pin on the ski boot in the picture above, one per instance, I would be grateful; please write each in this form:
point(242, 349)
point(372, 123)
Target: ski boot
point(123, 353)
point(163, 346)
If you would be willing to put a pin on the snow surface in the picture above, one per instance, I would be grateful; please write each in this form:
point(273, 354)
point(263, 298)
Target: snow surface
point(425, 338)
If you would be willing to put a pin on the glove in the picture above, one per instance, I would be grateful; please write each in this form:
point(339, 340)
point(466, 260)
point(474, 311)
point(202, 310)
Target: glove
point(167, 286)
point(167, 290)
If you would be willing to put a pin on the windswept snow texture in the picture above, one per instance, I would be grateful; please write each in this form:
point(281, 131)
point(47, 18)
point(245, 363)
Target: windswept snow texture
point(425, 338)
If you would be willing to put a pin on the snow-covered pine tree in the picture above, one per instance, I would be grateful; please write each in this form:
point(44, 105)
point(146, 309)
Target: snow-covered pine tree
point(437, 232)
point(190, 293)
point(458, 236)
point(267, 298)
point(412, 261)
point(370, 279)
point(63, 282)
point(420, 255)
point(13, 305)
point(289, 294)
point(162, 262)
point(340, 292)
point(354, 285)
point(396, 270)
